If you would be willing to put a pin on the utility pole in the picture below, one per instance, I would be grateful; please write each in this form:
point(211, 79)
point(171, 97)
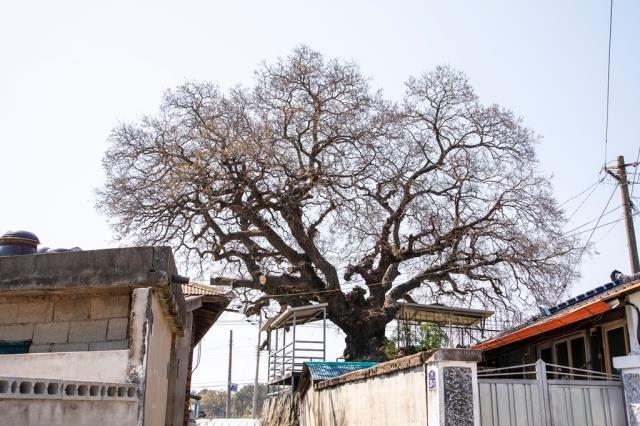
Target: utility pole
point(621, 177)
point(254, 411)
point(228, 407)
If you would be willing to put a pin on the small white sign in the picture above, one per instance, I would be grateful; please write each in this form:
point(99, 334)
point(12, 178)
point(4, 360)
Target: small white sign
point(431, 380)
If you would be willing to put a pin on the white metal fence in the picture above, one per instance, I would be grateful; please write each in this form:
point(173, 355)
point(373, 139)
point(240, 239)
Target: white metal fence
point(543, 394)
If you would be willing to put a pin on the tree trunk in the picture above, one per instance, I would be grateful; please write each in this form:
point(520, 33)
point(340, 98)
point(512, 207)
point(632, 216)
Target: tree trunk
point(365, 337)
point(364, 321)
point(365, 344)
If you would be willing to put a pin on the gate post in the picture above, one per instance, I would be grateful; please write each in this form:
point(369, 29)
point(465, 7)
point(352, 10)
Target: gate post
point(629, 367)
point(452, 388)
point(543, 392)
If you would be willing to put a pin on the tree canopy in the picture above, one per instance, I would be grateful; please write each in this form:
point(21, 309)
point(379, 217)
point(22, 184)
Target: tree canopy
point(311, 187)
point(213, 402)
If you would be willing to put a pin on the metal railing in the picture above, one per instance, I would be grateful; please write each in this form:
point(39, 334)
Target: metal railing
point(289, 359)
point(286, 359)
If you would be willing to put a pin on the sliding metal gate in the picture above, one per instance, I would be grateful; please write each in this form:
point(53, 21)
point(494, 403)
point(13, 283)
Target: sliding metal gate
point(543, 394)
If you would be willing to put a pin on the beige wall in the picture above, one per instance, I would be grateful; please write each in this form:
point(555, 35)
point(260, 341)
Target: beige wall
point(179, 373)
point(99, 337)
point(66, 323)
point(157, 366)
point(36, 412)
point(96, 366)
point(399, 397)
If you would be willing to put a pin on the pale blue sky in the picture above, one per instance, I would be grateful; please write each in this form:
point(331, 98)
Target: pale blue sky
point(69, 71)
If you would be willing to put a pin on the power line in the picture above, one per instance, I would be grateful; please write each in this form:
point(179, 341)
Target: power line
point(599, 226)
point(582, 192)
point(595, 227)
point(572, 230)
point(585, 199)
point(606, 128)
point(608, 231)
point(635, 172)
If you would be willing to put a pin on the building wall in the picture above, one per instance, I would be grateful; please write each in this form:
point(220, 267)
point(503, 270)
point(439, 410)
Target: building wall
point(36, 412)
point(396, 398)
point(157, 366)
point(66, 323)
point(179, 371)
point(100, 366)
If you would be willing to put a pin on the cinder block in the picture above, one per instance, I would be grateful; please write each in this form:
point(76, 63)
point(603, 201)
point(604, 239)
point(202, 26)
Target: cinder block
point(8, 313)
point(109, 306)
point(39, 348)
point(70, 347)
point(40, 310)
point(88, 331)
point(109, 346)
point(16, 332)
point(117, 328)
point(15, 299)
point(52, 332)
point(72, 309)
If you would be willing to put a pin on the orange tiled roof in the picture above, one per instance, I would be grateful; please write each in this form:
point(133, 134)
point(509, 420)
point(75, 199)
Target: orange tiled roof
point(195, 289)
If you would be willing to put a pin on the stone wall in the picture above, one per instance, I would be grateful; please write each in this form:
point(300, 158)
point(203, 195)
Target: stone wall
point(278, 411)
point(66, 323)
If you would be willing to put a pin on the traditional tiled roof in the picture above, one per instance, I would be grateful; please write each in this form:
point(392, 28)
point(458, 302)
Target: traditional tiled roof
point(215, 300)
point(195, 289)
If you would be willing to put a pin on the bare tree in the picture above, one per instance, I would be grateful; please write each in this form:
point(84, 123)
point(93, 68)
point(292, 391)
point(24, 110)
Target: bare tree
point(310, 187)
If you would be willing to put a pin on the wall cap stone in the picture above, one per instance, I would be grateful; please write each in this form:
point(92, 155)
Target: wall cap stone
point(455, 354)
point(404, 363)
point(626, 362)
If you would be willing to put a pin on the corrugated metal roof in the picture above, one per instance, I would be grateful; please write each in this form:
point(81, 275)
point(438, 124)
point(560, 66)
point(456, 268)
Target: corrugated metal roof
point(328, 370)
point(298, 315)
point(194, 289)
point(441, 314)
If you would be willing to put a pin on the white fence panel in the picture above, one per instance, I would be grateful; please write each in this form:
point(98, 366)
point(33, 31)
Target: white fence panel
point(581, 398)
point(509, 402)
point(582, 402)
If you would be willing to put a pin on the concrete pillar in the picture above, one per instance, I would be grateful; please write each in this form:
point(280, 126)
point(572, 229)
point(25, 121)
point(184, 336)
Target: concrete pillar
point(140, 325)
point(629, 365)
point(452, 388)
point(630, 370)
point(631, 312)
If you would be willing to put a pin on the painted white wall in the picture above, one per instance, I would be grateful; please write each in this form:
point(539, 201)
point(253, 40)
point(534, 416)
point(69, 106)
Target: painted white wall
point(26, 412)
point(158, 356)
point(92, 366)
point(395, 398)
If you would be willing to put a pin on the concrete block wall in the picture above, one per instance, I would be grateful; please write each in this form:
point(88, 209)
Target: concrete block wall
point(66, 323)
